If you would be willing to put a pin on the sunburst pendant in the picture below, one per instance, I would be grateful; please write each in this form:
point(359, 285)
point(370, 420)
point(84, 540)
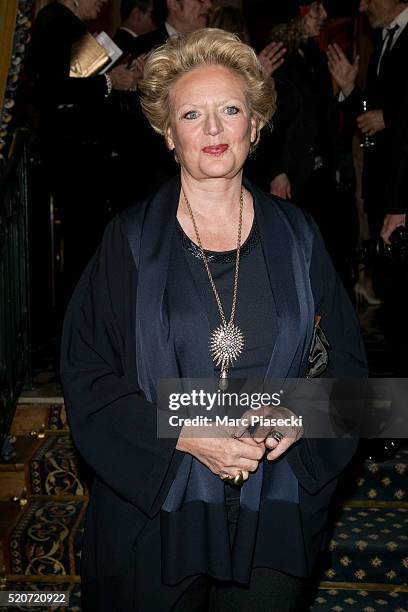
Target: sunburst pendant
point(226, 344)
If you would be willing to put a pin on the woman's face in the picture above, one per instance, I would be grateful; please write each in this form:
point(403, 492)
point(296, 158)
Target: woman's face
point(314, 19)
point(90, 9)
point(211, 128)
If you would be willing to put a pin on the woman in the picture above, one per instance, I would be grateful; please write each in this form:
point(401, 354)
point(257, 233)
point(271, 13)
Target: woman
point(305, 158)
point(166, 527)
point(72, 130)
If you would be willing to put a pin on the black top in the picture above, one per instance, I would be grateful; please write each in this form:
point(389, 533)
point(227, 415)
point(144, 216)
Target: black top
point(255, 311)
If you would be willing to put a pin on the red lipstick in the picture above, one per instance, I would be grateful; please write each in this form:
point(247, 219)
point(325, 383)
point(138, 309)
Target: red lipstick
point(215, 149)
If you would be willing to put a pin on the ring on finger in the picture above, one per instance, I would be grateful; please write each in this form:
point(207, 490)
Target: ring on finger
point(277, 435)
point(236, 480)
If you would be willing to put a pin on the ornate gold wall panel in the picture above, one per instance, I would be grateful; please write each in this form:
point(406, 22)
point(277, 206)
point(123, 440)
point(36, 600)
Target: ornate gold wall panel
point(8, 14)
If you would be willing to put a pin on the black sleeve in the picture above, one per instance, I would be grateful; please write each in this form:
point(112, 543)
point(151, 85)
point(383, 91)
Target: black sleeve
point(317, 461)
point(269, 158)
point(396, 179)
point(52, 66)
point(289, 103)
point(112, 424)
point(352, 106)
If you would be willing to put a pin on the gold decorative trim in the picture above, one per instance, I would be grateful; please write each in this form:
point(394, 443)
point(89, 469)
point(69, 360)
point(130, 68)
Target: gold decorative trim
point(8, 16)
point(364, 586)
point(59, 498)
point(367, 503)
point(42, 579)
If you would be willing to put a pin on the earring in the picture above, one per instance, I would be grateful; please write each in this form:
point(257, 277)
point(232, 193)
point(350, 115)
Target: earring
point(76, 4)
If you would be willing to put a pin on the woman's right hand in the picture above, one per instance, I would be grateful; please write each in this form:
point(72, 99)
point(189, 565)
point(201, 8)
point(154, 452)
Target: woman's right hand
point(222, 455)
point(271, 57)
point(342, 71)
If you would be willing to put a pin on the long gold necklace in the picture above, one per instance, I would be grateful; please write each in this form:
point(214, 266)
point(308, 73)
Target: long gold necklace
point(226, 341)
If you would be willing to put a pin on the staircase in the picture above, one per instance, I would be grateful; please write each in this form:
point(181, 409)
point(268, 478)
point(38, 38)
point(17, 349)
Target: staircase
point(367, 563)
point(43, 500)
point(366, 568)
point(44, 495)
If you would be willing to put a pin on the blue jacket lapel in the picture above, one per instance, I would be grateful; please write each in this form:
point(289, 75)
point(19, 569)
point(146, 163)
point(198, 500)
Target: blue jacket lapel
point(287, 258)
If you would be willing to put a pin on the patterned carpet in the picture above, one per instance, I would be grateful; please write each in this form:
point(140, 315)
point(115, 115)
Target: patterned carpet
point(365, 568)
point(47, 539)
point(360, 600)
point(56, 468)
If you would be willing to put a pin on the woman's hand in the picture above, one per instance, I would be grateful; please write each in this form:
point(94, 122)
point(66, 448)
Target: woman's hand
point(271, 57)
point(222, 455)
point(342, 71)
point(280, 186)
point(291, 433)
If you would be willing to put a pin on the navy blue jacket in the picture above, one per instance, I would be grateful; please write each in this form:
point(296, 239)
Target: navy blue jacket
point(128, 323)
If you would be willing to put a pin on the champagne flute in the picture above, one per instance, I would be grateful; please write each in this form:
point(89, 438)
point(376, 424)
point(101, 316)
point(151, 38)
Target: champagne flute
point(367, 141)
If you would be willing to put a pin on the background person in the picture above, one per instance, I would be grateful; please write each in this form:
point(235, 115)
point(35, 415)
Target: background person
point(71, 130)
point(385, 94)
point(304, 157)
point(136, 19)
point(207, 249)
point(231, 19)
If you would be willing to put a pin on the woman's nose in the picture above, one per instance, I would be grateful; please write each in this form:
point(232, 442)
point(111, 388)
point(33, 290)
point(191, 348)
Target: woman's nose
point(213, 125)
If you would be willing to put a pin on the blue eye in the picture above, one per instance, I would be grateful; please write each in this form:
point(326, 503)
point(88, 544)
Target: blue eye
point(231, 110)
point(191, 115)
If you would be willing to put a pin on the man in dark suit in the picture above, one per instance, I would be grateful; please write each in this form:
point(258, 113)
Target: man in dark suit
point(173, 17)
point(397, 182)
point(386, 82)
point(156, 164)
point(136, 16)
point(385, 161)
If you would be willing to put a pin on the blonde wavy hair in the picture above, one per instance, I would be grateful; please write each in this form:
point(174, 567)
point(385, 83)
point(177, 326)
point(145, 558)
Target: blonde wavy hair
point(207, 46)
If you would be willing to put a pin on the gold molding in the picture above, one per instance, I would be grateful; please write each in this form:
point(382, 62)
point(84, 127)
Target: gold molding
point(8, 16)
point(41, 579)
point(364, 586)
point(373, 503)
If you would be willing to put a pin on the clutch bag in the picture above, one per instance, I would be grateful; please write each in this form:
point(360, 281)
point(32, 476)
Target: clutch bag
point(88, 57)
point(318, 359)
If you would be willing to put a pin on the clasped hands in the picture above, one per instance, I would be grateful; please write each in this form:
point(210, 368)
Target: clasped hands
point(125, 78)
point(228, 450)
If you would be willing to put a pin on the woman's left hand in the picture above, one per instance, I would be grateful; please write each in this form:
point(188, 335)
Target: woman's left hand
point(291, 433)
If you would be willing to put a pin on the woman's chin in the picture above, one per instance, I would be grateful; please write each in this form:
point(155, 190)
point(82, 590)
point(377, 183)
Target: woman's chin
point(219, 168)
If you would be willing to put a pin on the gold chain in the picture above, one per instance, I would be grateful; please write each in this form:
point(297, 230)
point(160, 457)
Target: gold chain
point(217, 297)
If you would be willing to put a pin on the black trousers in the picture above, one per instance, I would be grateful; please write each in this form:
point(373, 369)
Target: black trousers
point(268, 591)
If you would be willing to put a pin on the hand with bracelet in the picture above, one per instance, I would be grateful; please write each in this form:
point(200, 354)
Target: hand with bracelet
point(124, 78)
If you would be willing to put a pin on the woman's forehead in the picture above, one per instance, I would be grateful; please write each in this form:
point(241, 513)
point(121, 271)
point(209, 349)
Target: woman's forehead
point(208, 81)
